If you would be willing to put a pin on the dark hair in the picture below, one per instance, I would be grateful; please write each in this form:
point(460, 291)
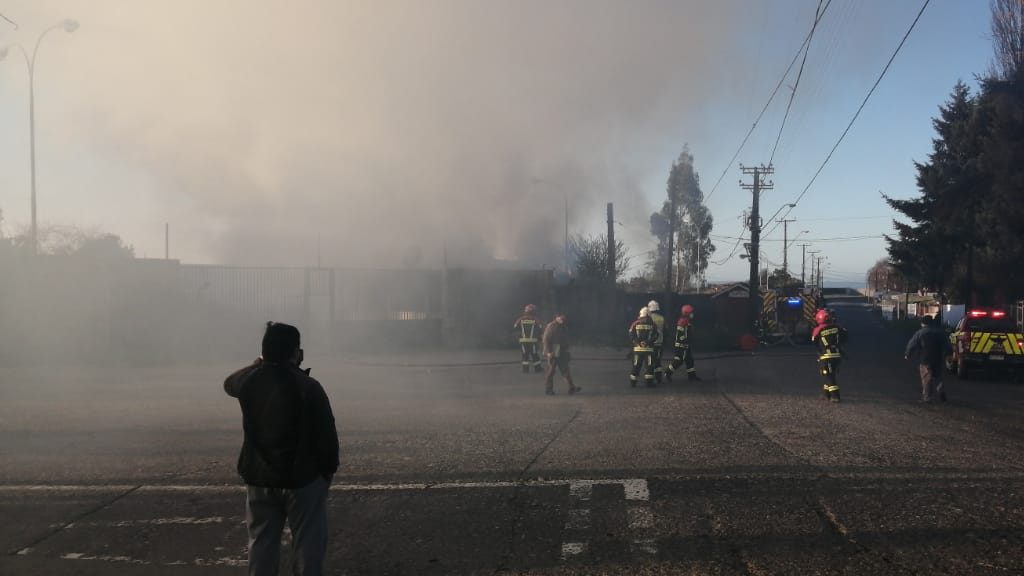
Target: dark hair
point(280, 342)
point(926, 320)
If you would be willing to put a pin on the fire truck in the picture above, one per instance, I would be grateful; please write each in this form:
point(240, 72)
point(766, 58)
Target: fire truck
point(788, 315)
point(989, 339)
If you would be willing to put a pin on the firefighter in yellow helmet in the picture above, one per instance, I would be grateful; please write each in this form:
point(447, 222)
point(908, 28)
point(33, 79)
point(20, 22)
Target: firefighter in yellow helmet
point(683, 353)
point(659, 342)
point(643, 332)
point(829, 336)
point(530, 328)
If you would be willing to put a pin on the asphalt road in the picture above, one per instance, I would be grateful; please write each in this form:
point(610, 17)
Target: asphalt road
point(455, 463)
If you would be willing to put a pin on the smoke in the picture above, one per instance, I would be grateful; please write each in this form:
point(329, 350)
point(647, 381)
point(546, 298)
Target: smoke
point(386, 133)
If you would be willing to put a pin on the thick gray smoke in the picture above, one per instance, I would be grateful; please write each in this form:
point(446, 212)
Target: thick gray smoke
point(388, 130)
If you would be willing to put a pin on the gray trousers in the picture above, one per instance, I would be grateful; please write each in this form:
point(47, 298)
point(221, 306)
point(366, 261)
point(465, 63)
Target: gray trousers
point(306, 511)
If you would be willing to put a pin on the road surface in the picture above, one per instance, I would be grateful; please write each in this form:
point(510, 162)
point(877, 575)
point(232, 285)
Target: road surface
point(455, 463)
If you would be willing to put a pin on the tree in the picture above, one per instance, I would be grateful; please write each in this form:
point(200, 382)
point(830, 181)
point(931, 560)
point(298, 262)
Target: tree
point(779, 279)
point(967, 225)
point(884, 277)
point(591, 256)
point(75, 241)
point(937, 250)
point(1008, 38)
point(692, 245)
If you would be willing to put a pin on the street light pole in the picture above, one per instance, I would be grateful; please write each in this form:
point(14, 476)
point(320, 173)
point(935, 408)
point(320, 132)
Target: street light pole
point(69, 26)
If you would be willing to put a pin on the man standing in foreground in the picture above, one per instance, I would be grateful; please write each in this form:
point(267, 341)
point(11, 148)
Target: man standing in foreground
point(934, 345)
point(556, 351)
point(289, 454)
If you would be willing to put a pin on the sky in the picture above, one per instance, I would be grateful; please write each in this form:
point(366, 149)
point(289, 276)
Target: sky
point(397, 133)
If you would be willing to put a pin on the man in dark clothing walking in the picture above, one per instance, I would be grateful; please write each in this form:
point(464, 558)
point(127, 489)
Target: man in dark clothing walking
point(289, 454)
point(934, 345)
point(556, 351)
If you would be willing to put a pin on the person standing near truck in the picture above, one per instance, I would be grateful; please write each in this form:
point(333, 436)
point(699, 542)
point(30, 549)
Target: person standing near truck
point(933, 347)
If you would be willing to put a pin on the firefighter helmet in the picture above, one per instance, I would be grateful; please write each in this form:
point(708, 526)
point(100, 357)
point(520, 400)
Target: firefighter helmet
point(644, 312)
point(822, 316)
point(652, 306)
point(530, 309)
point(687, 310)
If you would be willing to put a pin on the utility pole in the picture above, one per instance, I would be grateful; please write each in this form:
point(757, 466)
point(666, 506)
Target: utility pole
point(611, 244)
point(803, 264)
point(785, 244)
point(758, 172)
point(820, 279)
point(813, 259)
point(566, 234)
point(167, 240)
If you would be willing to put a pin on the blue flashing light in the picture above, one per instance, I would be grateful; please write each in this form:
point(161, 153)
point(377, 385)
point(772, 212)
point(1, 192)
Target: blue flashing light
point(794, 302)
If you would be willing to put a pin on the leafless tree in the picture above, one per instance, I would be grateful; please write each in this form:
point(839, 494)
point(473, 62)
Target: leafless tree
point(1008, 38)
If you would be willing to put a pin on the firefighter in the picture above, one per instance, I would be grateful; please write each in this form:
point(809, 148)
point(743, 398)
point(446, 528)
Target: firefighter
point(556, 351)
point(643, 333)
point(683, 354)
point(530, 328)
point(829, 336)
point(659, 342)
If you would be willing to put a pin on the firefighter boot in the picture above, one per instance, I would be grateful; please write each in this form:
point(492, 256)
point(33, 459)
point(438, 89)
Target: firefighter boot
point(537, 367)
point(692, 377)
point(550, 391)
point(825, 394)
point(526, 368)
point(834, 398)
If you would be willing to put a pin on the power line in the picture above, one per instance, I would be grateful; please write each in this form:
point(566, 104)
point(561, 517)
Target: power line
point(859, 110)
point(796, 84)
point(796, 56)
point(833, 239)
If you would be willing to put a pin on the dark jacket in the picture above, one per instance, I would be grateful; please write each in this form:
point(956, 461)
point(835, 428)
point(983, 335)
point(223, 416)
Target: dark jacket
point(290, 437)
point(683, 333)
point(644, 333)
point(829, 338)
point(933, 343)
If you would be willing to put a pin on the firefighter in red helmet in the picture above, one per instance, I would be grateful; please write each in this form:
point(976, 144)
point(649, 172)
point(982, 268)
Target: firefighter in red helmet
point(530, 328)
point(829, 337)
point(683, 354)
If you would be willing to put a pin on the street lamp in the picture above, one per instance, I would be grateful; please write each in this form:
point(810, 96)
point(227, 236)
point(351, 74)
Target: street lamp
point(68, 26)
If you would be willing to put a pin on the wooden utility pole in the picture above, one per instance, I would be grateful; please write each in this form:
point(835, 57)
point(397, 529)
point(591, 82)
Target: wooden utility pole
point(758, 172)
point(611, 244)
point(803, 264)
point(785, 244)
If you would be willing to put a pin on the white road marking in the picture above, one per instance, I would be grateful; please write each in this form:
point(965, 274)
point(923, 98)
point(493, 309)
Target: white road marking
point(159, 522)
point(648, 546)
point(636, 489)
point(640, 517)
point(573, 549)
point(578, 518)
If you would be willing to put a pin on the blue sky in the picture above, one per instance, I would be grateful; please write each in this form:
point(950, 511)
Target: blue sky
point(950, 43)
point(258, 130)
